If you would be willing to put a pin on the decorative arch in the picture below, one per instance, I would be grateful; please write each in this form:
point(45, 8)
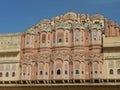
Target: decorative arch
point(88, 66)
point(76, 35)
point(29, 71)
point(43, 38)
point(41, 64)
point(95, 65)
point(100, 68)
point(23, 71)
point(76, 66)
point(82, 68)
point(58, 63)
point(66, 68)
point(58, 68)
point(29, 38)
point(95, 69)
point(60, 35)
point(46, 70)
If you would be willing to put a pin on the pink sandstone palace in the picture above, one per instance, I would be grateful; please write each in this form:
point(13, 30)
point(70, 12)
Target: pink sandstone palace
point(71, 48)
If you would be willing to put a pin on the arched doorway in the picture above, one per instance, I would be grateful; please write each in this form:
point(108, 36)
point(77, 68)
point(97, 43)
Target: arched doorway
point(58, 68)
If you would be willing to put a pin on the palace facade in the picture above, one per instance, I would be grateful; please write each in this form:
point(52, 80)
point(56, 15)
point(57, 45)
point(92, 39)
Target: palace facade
point(71, 48)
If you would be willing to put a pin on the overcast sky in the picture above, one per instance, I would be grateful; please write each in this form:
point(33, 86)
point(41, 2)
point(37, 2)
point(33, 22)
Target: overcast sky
point(18, 15)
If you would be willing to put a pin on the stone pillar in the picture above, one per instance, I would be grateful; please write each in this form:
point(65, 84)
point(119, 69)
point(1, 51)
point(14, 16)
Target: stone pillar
point(44, 76)
point(99, 75)
point(63, 70)
point(92, 70)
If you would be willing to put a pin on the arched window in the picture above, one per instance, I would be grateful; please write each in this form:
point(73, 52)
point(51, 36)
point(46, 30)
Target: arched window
point(60, 36)
point(13, 74)
point(82, 72)
point(0, 74)
point(77, 36)
point(77, 72)
point(66, 72)
point(41, 72)
point(60, 40)
point(118, 71)
point(36, 73)
point(46, 73)
point(96, 72)
point(43, 38)
point(111, 71)
point(52, 72)
point(58, 72)
point(24, 73)
point(7, 74)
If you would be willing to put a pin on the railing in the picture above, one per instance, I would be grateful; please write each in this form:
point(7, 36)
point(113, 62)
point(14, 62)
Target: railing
point(60, 82)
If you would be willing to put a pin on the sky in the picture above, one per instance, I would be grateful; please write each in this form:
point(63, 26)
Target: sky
point(18, 15)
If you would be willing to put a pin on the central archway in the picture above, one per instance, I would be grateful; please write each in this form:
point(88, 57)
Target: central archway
point(58, 68)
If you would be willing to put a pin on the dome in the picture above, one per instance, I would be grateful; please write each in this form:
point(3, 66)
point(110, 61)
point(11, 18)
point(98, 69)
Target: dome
point(70, 15)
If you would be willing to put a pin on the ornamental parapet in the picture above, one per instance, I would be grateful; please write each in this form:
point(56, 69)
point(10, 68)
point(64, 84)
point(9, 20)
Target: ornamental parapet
point(69, 21)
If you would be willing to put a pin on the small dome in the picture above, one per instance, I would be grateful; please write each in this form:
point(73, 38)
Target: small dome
point(45, 21)
point(97, 16)
point(70, 15)
point(83, 16)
